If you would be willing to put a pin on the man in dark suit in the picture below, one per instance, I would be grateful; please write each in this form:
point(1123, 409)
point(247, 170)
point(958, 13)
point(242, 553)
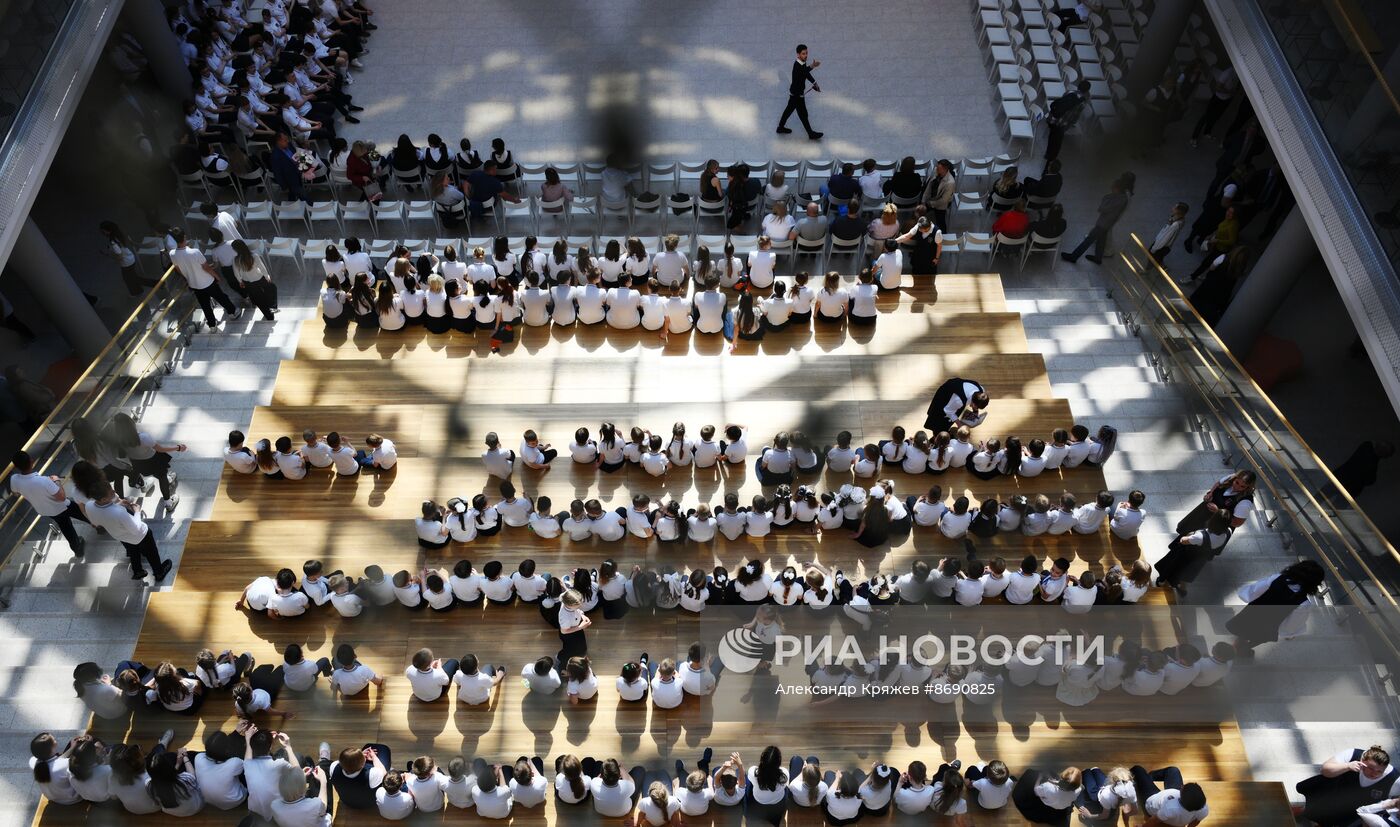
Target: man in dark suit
point(797, 91)
point(284, 168)
point(1064, 114)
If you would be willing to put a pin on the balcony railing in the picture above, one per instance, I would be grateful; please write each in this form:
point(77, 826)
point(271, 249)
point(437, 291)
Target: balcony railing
point(121, 378)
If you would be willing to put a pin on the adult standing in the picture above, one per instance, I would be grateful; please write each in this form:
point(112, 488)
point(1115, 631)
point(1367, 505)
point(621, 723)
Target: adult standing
point(121, 250)
point(122, 520)
point(1233, 493)
point(1064, 114)
point(572, 625)
point(938, 195)
point(1188, 554)
point(47, 497)
point(1111, 208)
point(199, 274)
point(797, 94)
point(957, 402)
point(927, 239)
point(1349, 780)
point(1224, 84)
point(1273, 606)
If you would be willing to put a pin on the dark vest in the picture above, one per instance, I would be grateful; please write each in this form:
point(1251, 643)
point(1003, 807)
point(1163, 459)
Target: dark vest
point(355, 793)
point(1332, 802)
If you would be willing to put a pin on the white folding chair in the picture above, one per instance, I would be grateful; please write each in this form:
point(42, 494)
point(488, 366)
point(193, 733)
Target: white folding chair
point(952, 247)
point(357, 211)
point(975, 171)
point(815, 170)
point(1041, 244)
point(421, 211)
point(661, 178)
point(313, 251)
point(709, 209)
point(288, 249)
point(975, 243)
point(389, 211)
point(325, 211)
point(583, 215)
point(965, 207)
point(408, 181)
point(289, 213)
point(258, 211)
point(522, 212)
point(811, 247)
point(647, 207)
point(852, 247)
point(1002, 242)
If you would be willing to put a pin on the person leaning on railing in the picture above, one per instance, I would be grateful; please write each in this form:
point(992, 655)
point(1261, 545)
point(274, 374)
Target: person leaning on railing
point(47, 497)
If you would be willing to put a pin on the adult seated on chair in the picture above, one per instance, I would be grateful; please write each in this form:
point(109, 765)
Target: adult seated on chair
point(1052, 225)
point(812, 227)
point(842, 186)
point(1048, 184)
point(482, 185)
point(1014, 223)
point(846, 224)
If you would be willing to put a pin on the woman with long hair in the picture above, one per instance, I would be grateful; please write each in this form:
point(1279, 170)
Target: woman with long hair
point(174, 691)
point(49, 766)
point(1047, 799)
point(504, 260)
point(405, 157)
point(256, 281)
point(507, 314)
point(362, 303)
point(97, 692)
point(173, 784)
point(748, 324)
point(610, 264)
point(129, 783)
point(123, 252)
point(874, 528)
point(389, 307)
point(435, 310)
point(768, 788)
point(832, 300)
point(99, 449)
point(147, 456)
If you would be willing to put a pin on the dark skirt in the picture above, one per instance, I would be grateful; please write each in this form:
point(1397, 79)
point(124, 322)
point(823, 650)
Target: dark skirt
point(1031, 807)
point(337, 322)
point(1183, 563)
point(1259, 622)
point(437, 324)
point(863, 321)
point(466, 325)
point(412, 321)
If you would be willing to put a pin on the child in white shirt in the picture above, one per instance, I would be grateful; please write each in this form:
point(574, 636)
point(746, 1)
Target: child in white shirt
point(1127, 518)
point(1061, 520)
point(1089, 518)
point(583, 450)
point(841, 456)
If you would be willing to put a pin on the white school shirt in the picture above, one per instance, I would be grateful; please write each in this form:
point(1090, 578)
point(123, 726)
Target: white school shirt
point(578, 530)
point(343, 458)
point(358, 263)
point(953, 525)
point(731, 525)
point(701, 531)
point(98, 786)
point(1076, 453)
point(968, 591)
point(298, 677)
point(681, 452)
point(994, 586)
point(1020, 587)
point(427, 684)
point(1210, 671)
point(532, 794)
point(634, 691)
point(833, 305)
point(529, 588)
point(1034, 523)
point(709, 306)
point(777, 310)
point(1055, 455)
point(667, 694)
point(1112, 796)
point(428, 530)
point(546, 684)
point(639, 523)
point(290, 604)
point(38, 491)
point(984, 462)
point(831, 517)
point(584, 689)
point(1143, 682)
point(801, 297)
point(667, 527)
point(563, 296)
point(190, 263)
point(428, 793)
point(913, 800)
point(669, 266)
point(473, 689)
point(348, 605)
point(816, 601)
point(1126, 522)
point(891, 268)
point(612, 801)
point(607, 526)
point(437, 600)
point(637, 267)
point(1051, 588)
point(929, 513)
point(259, 592)
point(290, 465)
point(1008, 518)
point(777, 461)
point(1031, 466)
point(386, 456)
point(239, 459)
point(863, 300)
point(654, 463)
point(1060, 521)
point(992, 796)
point(535, 301)
point(354, 680)
point(1079, 600)
point(705, 453)
point(221, 782)
point(624, 304)
point(1166, 806)
point(755, 591)
point(737, 451)
point(1088, 518)
point(761, 267)
point(460, 306)
point(498, 462)
point(458, 791)
point(840, 459)
point(591, 300)
point(500, 590)
point(677, 313)
point(763, 796)
point(1177, 676)
point(319, 455)
point(758, 524)
point(609, 269)
point(694, 803)
point(785, 595)
point(585, 453)
point(514, 513)
point(545, 526)
point(121, 525)
point(393, 807)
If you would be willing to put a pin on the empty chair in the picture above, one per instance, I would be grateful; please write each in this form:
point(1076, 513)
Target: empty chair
point(661, 178)
point(325, 211)
point(390, 211)
point(969, 208)
point(522, 214)
point(975, 243)
point(286, 249)
point(648, 206)
point(421, 211)
point(357, 212)
point(1040, 244)
point(258, 211)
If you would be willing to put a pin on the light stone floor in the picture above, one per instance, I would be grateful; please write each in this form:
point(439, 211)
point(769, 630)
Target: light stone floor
point(907, 79)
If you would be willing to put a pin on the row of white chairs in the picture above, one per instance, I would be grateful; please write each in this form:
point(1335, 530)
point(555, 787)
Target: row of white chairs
point(303, 256)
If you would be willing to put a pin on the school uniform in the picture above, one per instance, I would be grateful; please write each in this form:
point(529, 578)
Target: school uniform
point(38, 490)
point(1088, 519)
point(1031, 466)
point(779, 466)
point(953, 525)
point(731, 525)
point(1060, 521)
point(1126, 522)
point(500, 591)
point(1055, 455)
point(701, 531)
point(241, 460)
point(129, 530)
point(1078, 600)
point(429, 794)
point(1188, 555)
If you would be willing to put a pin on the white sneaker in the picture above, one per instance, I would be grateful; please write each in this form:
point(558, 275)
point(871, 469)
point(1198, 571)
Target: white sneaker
point(171, 503)
point(148, 485)
point(356, 64)
point(167, 737)
point(325, 751)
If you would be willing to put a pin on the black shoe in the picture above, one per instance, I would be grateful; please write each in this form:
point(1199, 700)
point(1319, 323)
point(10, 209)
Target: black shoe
point(680, 770)
point(970, 547)
point(351, 119)
point(78, 549)
point(783, 130)
point(815, 136)
point(235, 315)
point(708, 754)
point(165, 567)
point(644, 659)
point(1067, 257)
point(1094, 259)
point(353, 108)
point(138, 574)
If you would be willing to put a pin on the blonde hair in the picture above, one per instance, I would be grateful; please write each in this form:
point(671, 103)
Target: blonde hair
point(889, 214)
point(658, 795)
point(435, 284)
point(291, 783)
point(572, 598)
point(1119, 775)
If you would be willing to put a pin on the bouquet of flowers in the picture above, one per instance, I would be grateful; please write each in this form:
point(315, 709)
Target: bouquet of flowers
point(307, 163)
point(373, 156)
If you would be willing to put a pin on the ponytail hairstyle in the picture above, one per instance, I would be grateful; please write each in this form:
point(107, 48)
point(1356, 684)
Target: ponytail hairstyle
point(243, 696)
point(812, 779)
point(695, 584)
point(170, 687)
point(205, 660)
point(782, 501)
point(940, 445)
point(816, 582)
point(920, 441)
point(1130, 653)
point(607, 435)
point(1013, 455)
point(729, 258)
point(584, 259)
point(768, 773)
point(86, 758)
point(572, 770)
point(678, 435)
point(789, 579)
point(658, 795)
point(750, 572)
point(703, 265)
point(607, 571)
point(42, 747)
point(831, 282)
point(266, 460)
point(83, 674)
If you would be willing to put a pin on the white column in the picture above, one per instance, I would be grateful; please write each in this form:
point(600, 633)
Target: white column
point(1160, 38)
point(43, 273)
point(160, 46)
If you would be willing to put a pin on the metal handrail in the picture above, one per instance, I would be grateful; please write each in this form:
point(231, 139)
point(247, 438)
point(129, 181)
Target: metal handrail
point(1365, 53)
point(1277, 452)
point(141, 346)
